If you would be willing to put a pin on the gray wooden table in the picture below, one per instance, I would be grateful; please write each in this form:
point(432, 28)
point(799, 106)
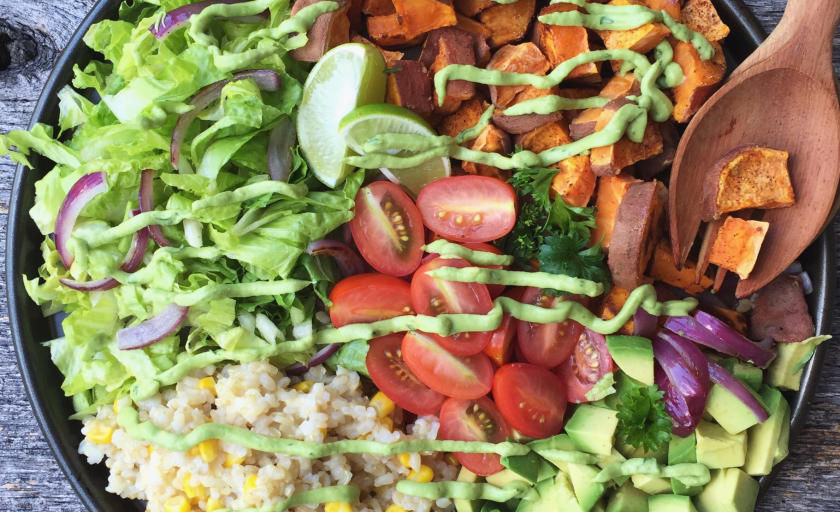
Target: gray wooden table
point(32, 34)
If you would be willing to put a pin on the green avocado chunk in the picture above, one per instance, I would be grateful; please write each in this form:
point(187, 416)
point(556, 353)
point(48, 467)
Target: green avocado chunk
point(651, 485)
point(745, 372)
point(763, 439)
point(634, 355)
point(587, 492)
point(624, 383)
point(683, 450)
point(628, 499)
point(504, 477)
point(729, 490)
point(670, 503)
point(717, 448)
point(729, 411)
point(592, 429)
point(613, 457)
point(784, 439)
point(465, 475)
point(555, 494)
point(786, 370)
point(527, 466)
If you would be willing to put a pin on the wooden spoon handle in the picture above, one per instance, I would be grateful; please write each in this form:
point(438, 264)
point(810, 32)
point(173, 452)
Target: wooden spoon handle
point(807, 33)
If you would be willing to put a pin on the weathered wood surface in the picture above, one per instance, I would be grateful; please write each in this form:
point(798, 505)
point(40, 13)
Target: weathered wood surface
point(32, 33)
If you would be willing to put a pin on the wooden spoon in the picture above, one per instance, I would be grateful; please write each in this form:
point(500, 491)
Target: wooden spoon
point(783, 97)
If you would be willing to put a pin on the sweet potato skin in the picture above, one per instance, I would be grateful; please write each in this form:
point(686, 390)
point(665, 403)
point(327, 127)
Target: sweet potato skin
point(611, 190)
point(613, 301)
point(521, 58)
point(456, 47)
point(702, 17)
point(421, 16)
point(702, 78)
point(527, 122)
point(472, 8)
point(585, 123)
point(738, 244)
point(748, 176)
point(389, 56)
point(560, 44)
point(621, 86)
point(651, 166)
point(491, 140)
point(411, 87)
point(639, 223)
point(329, 30)
point(663, 269)
point(508, 23)
point(781, 312)
point(465, 117)
point(575, 182)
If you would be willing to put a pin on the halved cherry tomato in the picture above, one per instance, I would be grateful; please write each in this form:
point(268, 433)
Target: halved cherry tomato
point(388, 229)
point(547, 345)
point(455, 376)
point(366, 298)
point(468, 208)
point(474, 420)
point(531, 399)
point(432, 296)
point(588, 363)
point(494, 289)
point(391, 375)
point(500, 348)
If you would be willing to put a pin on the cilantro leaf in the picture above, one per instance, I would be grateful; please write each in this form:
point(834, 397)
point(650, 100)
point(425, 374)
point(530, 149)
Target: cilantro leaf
point(642, 420)
point(572, 219)
point(527, 235)
point(534, 182)
point(568, 255)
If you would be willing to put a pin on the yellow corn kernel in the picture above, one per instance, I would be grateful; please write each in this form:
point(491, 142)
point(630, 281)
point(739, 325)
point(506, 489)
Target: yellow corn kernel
point(150, 449)
point(197, 492)
point(208, 383)
point(305, 386)
point(383, 405)
point(195, 451)
point(209, 450)
point(388, 422)
point(424, 476)
point(250, 483)
point(232, 460)
point(117, 406)
point(213, 505)
point(100, 434)
point(405, 459)
point(451, 459)
point(337, 506)
point(176, 504)
point(393, 507)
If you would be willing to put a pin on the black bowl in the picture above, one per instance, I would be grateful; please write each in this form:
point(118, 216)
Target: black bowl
point(30, 329)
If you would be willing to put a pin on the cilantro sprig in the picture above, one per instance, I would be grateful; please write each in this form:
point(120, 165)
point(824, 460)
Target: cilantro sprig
point(642, 419)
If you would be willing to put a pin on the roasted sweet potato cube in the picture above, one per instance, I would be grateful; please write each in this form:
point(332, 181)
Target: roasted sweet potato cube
point(650, 167)
point(621, 86)
point(329, 30)
point(585, 123)
point(421, 16)
point(389, 56)
point(465, 117)
point(663, 269)
point(576, 94)
point(481, 34)
point(748, 176)
point(378, 7)
point(672, 7)
point(610, 160)
point(387, 31)
point(507, 22)
point(611, 190)
point(614, 300)
point(525, 123)
point(450, 105)
point(639, 222)
point(521, 58)
point(560, 44)
point(575, 182)
point(472, 8)
point(702, 17)
point(410, 87)
point(456, 47)
point(491, 140)
point(545, 137)
point(737, 245)
point(458, 35)
point(640, 40)
point(702, 78)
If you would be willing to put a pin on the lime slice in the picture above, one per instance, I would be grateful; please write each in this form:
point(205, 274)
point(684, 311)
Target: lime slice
point(367, 121)
point(347, 76)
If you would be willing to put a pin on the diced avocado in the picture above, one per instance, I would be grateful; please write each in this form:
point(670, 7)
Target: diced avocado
point(661, 454)
point(628, 499)
point(670, 503)
point(592, 429)
point(682, 450)
point(624, 383)
point(587, 492)
point(560, 451)
point(602, 389)
point(504, 477)
point(555, 495)
point(614, 456)
point(492, 506)
point(612, 401)
point(729, 490)
point(786, 370)
point(465, 475)
point(634, 355)
point(600, 506)
point(745, 372)
point(717, 448)
point(763, 439)
point(546, 470)
point(626, 450)
point(650, 485)
point(527, 466)
point(681, 489)
point(782, 448)
point(729, 411)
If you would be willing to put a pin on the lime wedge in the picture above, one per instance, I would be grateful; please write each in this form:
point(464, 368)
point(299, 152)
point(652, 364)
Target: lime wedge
point(347, 76)
point(367, 121)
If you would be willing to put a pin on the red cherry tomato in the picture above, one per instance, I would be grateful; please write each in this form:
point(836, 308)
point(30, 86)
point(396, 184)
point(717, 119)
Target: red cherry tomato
point(588, 363)
point(531, 399)
point(391, 375)
point(468, 208)
point(388, 229)
point(474, 420)
point(500, 348)
point(462, 377)
point(494, 289)
point(432, 296)
point(366, 298)
point(547, 345)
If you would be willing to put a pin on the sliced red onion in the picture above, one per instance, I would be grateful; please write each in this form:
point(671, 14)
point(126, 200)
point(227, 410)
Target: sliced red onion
point(147, 205)
point(280, 157)
point(743, 347)
point(644, 324)
point(80, 194)
point(807, 284)
point(794, 268)
point(678, 370)
point(295, 369)
point(683, 422)
point(323, 354)
point(100, 285)
point(177, 18)
point(349, 263)
point(265, 79)
point(691, 354)
point(154, 329)
point(692, 329)
point(767, 343)
point(725, 379)
point(348, 235)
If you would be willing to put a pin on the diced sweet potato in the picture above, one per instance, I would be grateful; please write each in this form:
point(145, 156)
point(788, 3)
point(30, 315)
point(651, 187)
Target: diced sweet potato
point(472, 8)
point(702, 17)
point(663, 269)
point(650, 167)
point(431, 47)
point(465, 117)
point(575, 182)
point(620, 86)
point(525, 123)
point(354, 16)
point(737, 245)
point(456, 48)
point(481, 34)
point(610, 160)
point(560, 44)
point(388, 32)
point(672, 7)
point(508, 23)
point(450, 105)
point(521, 58)
point(329, 30)
point(389, 56)
point(545, 137)
point(614, 300)
point(781, 313)
point(411, 87)
point(638, 226)
point(585, 123)
point(748, 176)
point(709, 237)
point(378, 7)
point(491, 140)
point(421, 16)
point(576, 94)
point(640, 40)
point(611, 190)
point(702, 78)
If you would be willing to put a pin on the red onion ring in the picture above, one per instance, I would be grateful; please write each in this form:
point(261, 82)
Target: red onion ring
point(281, 161)
point(177, 18)
point(692, 355)
point(295, 369)
point(726, 380)
point(152, 330)
point(80, 194)
point(743, 347)
point(678, 371)
point(682, 421)
point(349, 263)
point(692, 329)
point(323, 354)
point(265, 79)
point(645, 324)
point(348, 235)
point(147, 205)
point(99, 285)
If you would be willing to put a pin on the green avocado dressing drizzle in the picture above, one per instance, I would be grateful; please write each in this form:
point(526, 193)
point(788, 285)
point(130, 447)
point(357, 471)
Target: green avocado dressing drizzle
point(509, 277)
point(339, 493)
point(448, 249)
point(466, 490)
point(689, 474)
point(553, 103)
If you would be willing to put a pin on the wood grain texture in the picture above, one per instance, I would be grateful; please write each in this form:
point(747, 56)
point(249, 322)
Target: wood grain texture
point(32, 33)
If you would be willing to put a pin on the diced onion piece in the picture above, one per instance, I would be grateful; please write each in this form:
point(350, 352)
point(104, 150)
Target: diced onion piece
point(192, 233)
point(349, 263)
point(323, 354)
point(741, 346)
point(177, 18)
point(152, 330)
point(147, 205)
point(81, 193)
point(295, 369)
point(280, 144)
point(726, 380)
point(100, 285)
point(268, 331)
point(644, 324)
point(807, 284)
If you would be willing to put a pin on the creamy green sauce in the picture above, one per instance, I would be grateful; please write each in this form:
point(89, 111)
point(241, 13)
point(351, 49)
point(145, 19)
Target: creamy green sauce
point(689, 474)
point(553, 103)
point(339, 493)
point(250, 192)
point(517, 278)
point(467, 491)
point(449, 249)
